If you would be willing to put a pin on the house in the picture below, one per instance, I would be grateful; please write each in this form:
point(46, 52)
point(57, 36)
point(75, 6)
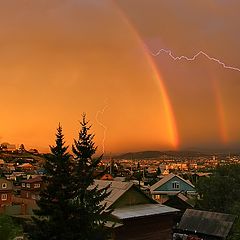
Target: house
point(6, 192)
point(171, 185)
point(199, 175)
point(107, 176)
point(30, 188)
point(179, 201)
point(133, 209)
point(26, 167)
point(2, 162)
point(9, 167)
point(7, 147)
point(196, 224)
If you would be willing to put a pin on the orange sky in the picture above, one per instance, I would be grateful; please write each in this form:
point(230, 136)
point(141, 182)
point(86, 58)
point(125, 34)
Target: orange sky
point(60, 58)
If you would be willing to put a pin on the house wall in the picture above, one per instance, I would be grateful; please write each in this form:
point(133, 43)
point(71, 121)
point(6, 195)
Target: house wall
point(131, 197)
point(28, 205)
point(5, 185)
point(6, 201)
point(168, 186)
point(28, 194)
point(32, 185)
point(146, 228)
point(161, 198)
point(31, 190)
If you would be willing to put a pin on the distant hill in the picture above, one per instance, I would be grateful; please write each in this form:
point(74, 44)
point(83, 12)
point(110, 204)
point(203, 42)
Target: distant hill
point(160, 154)
point(13, 156)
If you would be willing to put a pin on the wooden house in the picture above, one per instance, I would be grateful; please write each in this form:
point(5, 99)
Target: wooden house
point(180, 201)
point(6, 192)
point(30, 188)
point(171, 185)
point(136, 215)
point(107, 176)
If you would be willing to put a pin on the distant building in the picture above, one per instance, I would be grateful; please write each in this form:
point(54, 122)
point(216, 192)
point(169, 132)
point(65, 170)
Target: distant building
point(33, 151)
point(2, 163)
point(6, 192)
point(30, 188)
point(107, 176)
point(25, 167)
point(7, 147)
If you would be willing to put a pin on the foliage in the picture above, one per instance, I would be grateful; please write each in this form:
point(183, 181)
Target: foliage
point(158, 171)
point(221, 190)
point(53, 218)
point(70, 206)
point(8, 228)
point(90, 214)
point(221, 193)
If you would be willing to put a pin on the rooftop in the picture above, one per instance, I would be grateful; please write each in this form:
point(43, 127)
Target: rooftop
point(204, 222)
point(117, 189)
point(143, 210)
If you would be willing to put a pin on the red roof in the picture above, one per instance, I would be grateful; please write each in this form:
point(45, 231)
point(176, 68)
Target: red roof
point(32, 180)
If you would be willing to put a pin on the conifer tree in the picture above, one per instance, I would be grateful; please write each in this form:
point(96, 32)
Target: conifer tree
point(54, 215)
point(158, 171)
point(90, 213)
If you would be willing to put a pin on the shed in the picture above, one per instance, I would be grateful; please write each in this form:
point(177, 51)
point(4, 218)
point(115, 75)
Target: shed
point(211, 225)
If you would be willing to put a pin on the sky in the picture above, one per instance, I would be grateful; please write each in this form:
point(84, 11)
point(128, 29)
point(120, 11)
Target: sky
point(61, 58)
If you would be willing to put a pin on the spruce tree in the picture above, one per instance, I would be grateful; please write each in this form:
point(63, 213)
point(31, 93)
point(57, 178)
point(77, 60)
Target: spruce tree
point(53, 218)
point(158, 171)
point(90, 213)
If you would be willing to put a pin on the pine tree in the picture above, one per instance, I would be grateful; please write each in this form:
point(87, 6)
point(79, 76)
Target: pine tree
point(90, 214)
point(53, 219)
point(158, 171)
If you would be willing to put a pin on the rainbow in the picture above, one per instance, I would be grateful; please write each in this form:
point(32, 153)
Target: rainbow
point(168, 109)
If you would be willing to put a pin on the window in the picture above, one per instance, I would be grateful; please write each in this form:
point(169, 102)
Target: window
point(4, 197)
point(28, 185)
point(4, 185)
point(37, 185)
point(157, 197)
point(175, 185)
point(23, 184)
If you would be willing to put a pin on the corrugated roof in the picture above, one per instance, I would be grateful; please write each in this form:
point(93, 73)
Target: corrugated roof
point(204, 222)
point(141, 210)
point(166, 179)
point(183, 197)
point(117, 189)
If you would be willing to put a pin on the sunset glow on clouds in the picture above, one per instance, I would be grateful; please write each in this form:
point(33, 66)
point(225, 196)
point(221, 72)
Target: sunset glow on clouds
point(62, 58)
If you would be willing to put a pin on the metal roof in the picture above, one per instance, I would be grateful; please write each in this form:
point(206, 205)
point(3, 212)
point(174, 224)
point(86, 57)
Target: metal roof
point(141, 210)
point(117, 189)
point(209, 223)
point(166, 179)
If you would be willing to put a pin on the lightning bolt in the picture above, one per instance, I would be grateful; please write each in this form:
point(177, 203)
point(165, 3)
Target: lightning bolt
point(175, 58)
point(101, 112)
